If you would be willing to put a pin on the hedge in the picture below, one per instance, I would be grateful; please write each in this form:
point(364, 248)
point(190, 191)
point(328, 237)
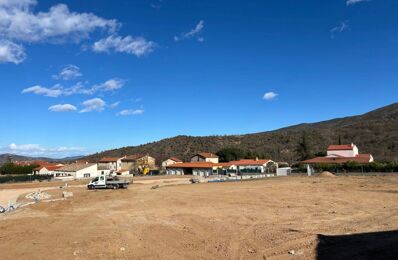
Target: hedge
point(391, 166)
point(24, 178)
point(14, 169)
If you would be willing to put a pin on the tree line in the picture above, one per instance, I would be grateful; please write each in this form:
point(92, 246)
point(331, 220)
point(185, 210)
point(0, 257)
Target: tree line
point(234, 154)
point(14, 169)
point(351, 166)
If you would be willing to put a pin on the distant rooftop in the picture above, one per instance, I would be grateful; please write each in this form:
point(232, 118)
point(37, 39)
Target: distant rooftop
point(339, 147)
point(75, 167)
point(206, 155)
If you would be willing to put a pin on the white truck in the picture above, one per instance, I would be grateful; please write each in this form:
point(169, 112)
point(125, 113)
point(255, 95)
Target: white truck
point(107, 182)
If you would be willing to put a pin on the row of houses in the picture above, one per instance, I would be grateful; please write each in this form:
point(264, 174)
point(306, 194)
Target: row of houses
point(207, 164)
point(106, 166)
point(201, 164)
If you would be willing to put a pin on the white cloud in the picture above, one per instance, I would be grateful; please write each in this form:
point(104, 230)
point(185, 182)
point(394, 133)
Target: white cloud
point(69, 72)
point(131, 112)
point(79, 88)
point(39, 90)
point(17, 3)
point(157, 4)
point(192, 33)
point(343, 26)
point(11, 52)
point(137, 46)
point(109, 85)
point(38, 150)
point(115, 104)
point(270, 95)
point(95, 104)
point(19, 22)
point(62, 108)
point(353, 2)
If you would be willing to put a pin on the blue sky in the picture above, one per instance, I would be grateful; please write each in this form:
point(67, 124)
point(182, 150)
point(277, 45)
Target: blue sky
point(79, 77)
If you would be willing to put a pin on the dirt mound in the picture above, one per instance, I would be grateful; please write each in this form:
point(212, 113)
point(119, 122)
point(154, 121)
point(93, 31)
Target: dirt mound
point(326, 174)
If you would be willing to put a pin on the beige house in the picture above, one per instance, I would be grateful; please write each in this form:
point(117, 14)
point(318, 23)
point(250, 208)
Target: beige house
point(110, 163)
point(138, 162)
point(171, 161)
point(205, 157)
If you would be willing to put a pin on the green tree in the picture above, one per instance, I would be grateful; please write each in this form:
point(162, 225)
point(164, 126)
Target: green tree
point(231, 154)
point(303, 148)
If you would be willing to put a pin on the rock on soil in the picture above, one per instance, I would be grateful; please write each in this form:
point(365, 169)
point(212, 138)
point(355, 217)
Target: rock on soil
point(67, 194)
point(38, 196)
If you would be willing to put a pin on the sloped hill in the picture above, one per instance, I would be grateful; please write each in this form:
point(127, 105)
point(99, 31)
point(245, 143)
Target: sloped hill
point(5, 157)
point(375, 132)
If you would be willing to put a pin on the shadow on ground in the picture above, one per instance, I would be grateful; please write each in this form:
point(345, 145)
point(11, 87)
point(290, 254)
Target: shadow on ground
point(377, 245)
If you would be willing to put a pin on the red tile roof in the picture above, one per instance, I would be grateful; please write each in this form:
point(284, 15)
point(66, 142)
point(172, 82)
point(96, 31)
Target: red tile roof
point(192, 165)
point(132, 158)
point(50, 167)
point(246, 162)
point(224, 164)
point(338, 147)
point(109, 159)
point(206, 155)
point(175, 159)
point(360, 158)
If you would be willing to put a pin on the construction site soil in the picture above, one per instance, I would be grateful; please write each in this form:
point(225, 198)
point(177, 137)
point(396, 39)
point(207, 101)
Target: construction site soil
point(274, 218)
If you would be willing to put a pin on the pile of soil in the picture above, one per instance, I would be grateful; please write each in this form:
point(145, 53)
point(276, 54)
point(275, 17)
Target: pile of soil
point(326, 174)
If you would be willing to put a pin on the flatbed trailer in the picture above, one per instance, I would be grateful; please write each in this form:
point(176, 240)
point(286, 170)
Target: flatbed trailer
point(107, 182)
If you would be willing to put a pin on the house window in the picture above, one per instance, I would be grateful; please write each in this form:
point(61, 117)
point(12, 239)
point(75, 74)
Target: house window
point(86, 175)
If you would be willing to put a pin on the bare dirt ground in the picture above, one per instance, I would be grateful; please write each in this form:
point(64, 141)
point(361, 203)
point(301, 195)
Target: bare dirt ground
point(11, 191)
point(275, 218)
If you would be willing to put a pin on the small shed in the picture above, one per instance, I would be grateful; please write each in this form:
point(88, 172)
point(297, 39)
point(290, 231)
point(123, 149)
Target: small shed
point(284, 171)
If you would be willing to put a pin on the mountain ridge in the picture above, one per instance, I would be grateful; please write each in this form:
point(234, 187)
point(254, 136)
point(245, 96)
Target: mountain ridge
point(4, 157)
point(374, 132)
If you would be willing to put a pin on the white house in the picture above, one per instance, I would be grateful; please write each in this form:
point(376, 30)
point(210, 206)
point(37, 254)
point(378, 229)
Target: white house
point(191, 168)
point(255, 166)
point(342, 150)
point(205, 157)
point(110, 163)
point(46, 169)
point(341, 153)
point(170, 161)
point(205, 169)
point(77, 171)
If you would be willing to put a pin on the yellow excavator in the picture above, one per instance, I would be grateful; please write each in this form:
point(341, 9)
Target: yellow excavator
point(145, 170)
